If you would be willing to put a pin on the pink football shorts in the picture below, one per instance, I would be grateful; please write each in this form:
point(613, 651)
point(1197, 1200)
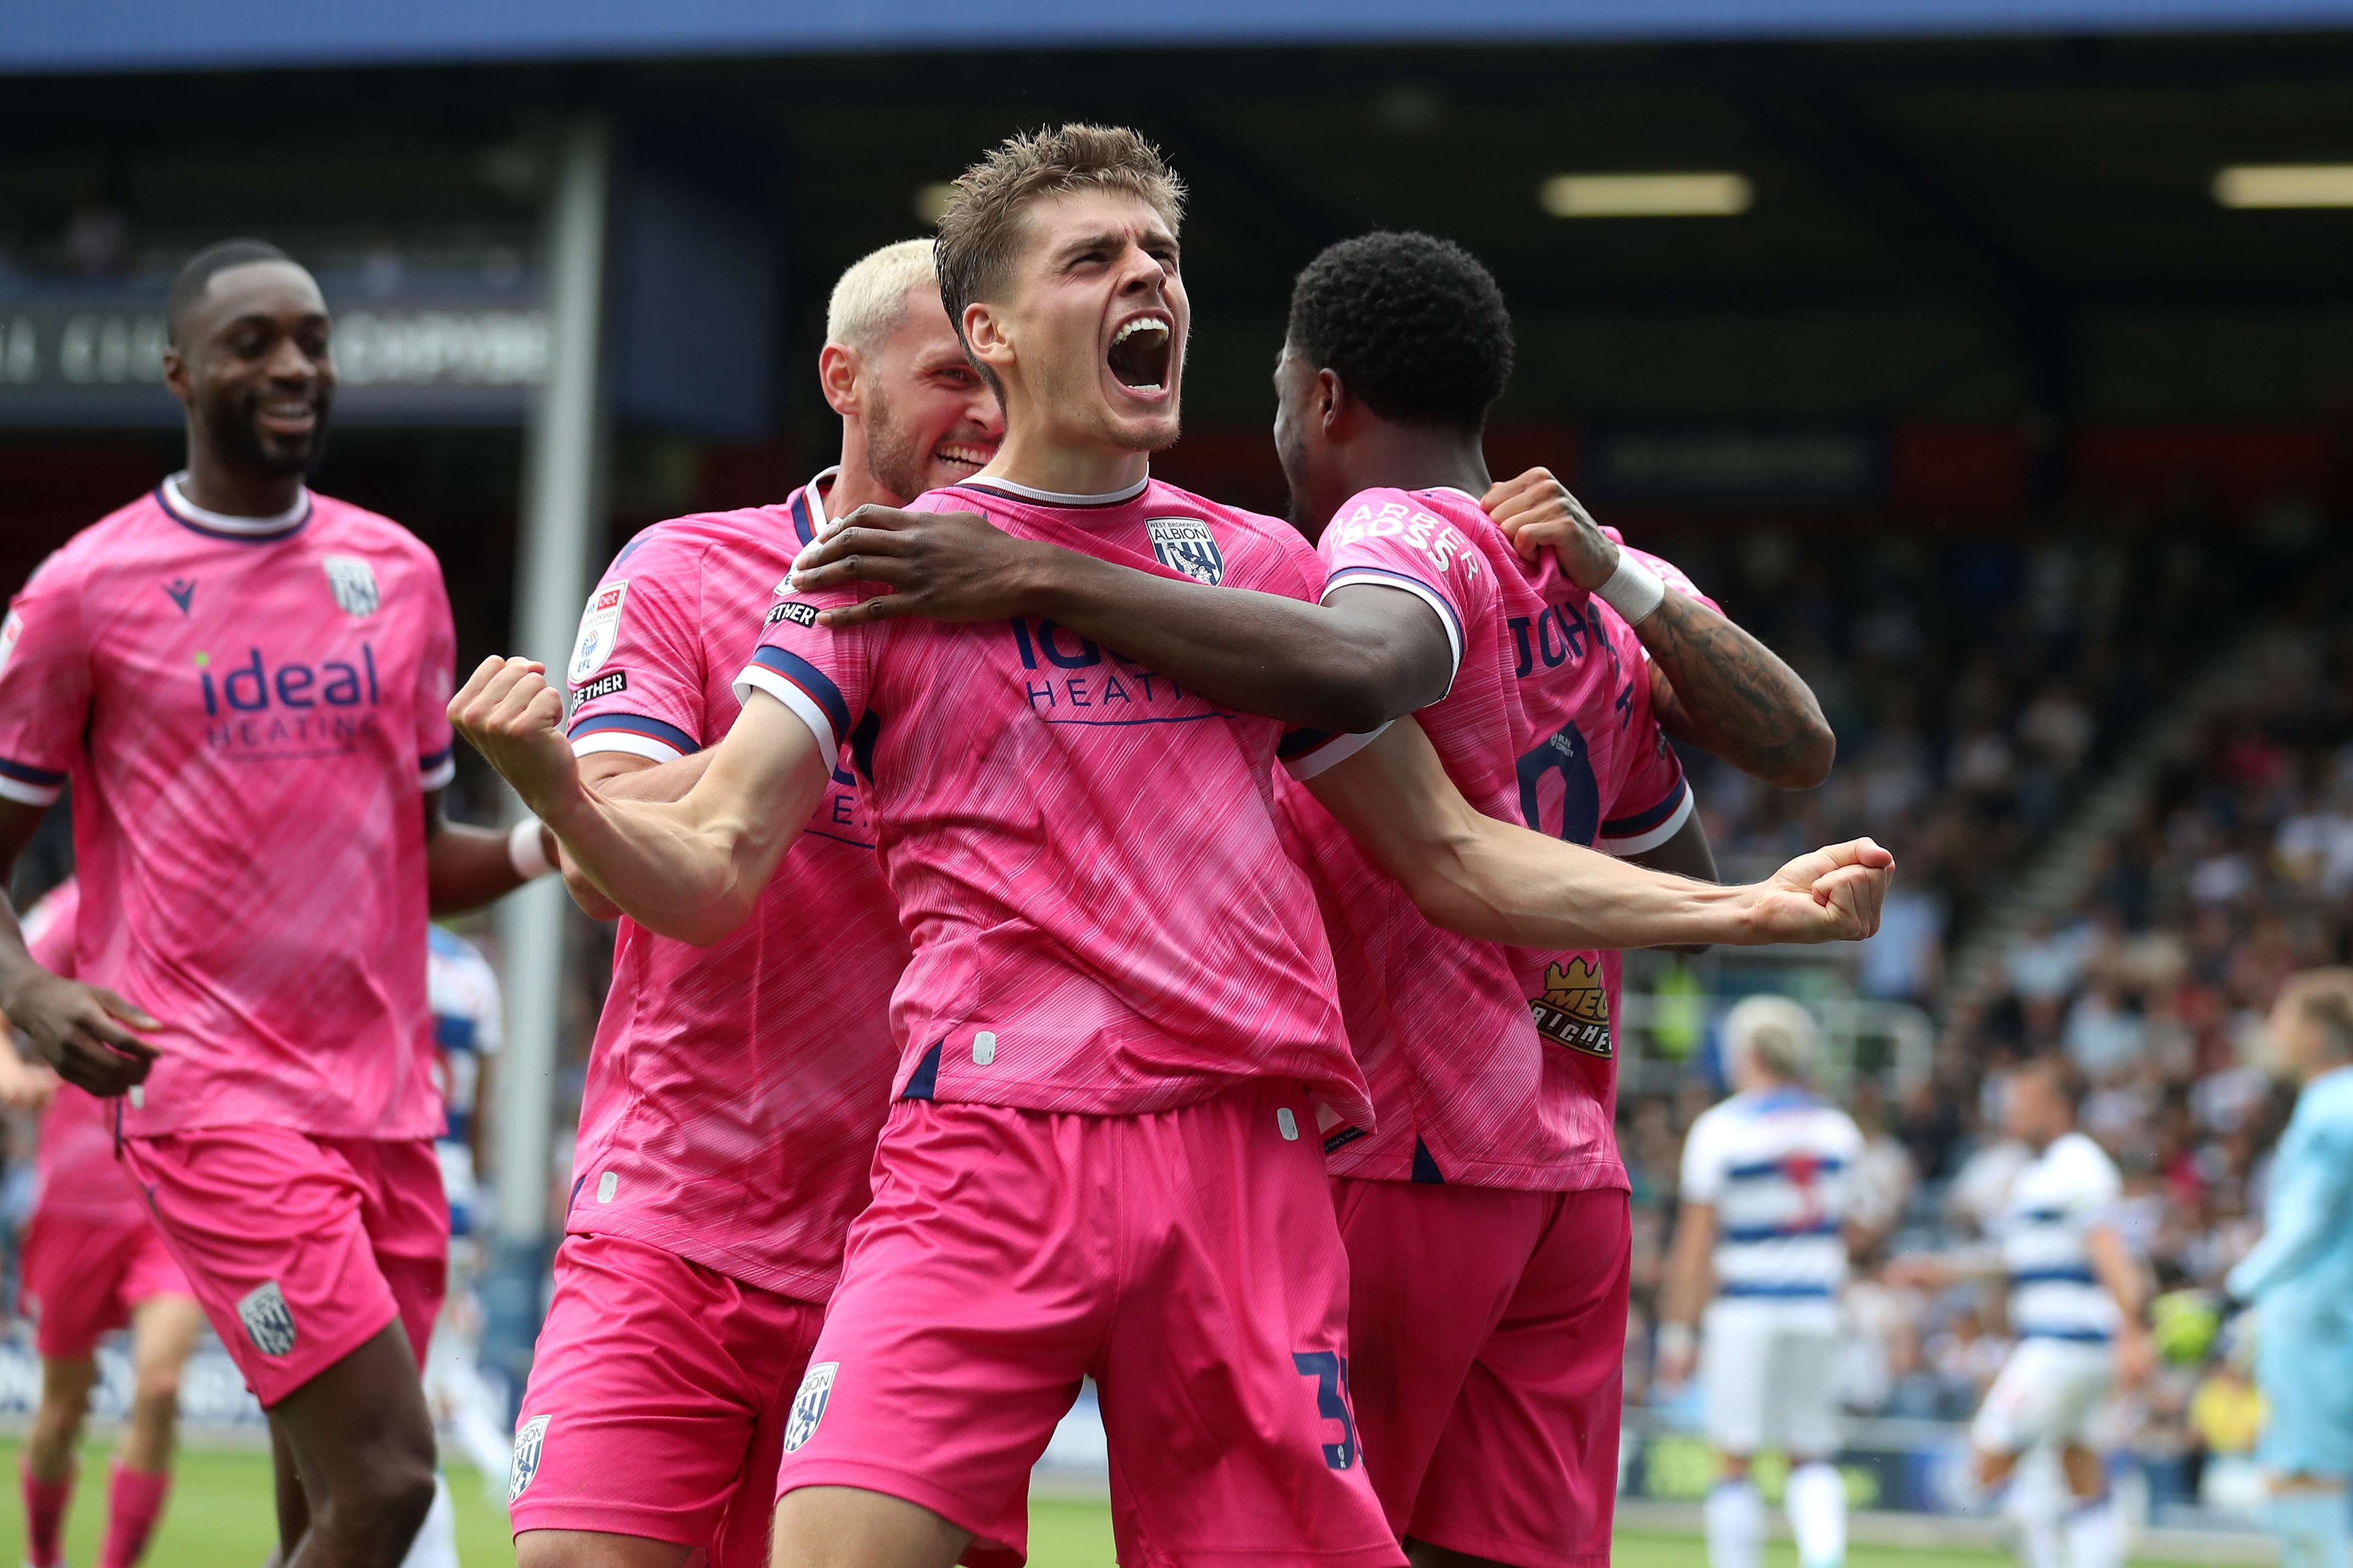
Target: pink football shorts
point(1490, 1335)
point(1186, 1259)
point(83, 1275)
point(657, 1401)
point(298, 1249)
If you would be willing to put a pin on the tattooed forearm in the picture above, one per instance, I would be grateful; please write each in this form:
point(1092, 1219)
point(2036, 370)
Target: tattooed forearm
point(1732, 696)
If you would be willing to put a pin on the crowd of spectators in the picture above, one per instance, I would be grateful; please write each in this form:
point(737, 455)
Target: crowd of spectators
point(1977, 686)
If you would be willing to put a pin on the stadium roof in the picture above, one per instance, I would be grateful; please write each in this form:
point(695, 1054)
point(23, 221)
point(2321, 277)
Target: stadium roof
point(170, 35)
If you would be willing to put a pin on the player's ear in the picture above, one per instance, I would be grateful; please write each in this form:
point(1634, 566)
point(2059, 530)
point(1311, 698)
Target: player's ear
point(1335, 411)
point(837, 372)
point(985, 336)
point(176, 373)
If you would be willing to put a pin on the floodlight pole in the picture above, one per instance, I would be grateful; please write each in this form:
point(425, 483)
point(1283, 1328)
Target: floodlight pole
point(561, 528)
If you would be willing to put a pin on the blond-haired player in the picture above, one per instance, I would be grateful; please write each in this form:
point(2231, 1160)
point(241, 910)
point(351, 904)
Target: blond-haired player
point(734, 1091)
point(1764, 1206)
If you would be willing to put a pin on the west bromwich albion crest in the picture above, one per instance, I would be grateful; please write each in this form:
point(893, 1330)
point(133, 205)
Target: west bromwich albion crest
point(269, 1321)
point(600, 628)
point(352, 583)
point(808, 1404)
point(1186, 545)
point(529, 1438)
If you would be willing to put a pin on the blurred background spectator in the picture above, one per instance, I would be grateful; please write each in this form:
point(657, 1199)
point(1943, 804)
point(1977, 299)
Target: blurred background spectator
point(1980, 691)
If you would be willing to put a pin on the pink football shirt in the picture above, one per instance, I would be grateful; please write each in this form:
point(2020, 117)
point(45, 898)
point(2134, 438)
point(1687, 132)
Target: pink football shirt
point(734, 1091)
point(1490, 1066)
point(251, 711)
point(76, 1173)
point(1085, 854)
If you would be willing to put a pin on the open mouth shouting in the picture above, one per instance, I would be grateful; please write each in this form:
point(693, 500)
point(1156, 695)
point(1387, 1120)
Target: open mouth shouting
point(1140, 355)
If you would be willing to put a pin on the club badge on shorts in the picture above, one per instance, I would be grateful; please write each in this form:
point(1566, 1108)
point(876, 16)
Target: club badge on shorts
point(1186, 545)
point(352, 583)
point(269, 1321)
point(600, 628)
point(808, 1404)
point(529, 1438)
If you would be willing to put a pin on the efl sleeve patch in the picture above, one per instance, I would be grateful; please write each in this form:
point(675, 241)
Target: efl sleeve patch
point(600, 628)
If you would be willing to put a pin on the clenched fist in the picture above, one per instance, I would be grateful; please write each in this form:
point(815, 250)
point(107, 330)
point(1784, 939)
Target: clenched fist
point(511, 714)
point(1831, 895)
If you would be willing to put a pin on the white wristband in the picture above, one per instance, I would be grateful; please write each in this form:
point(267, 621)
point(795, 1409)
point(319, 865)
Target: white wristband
point(1633, 590)
point(1674, 1338)
point(527, 851)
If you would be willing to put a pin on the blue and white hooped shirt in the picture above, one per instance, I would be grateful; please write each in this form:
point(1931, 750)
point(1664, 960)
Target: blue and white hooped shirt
point(1775, 1164)
point(2055, 1204)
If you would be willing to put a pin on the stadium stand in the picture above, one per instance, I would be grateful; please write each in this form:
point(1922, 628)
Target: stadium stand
point(1982, 686)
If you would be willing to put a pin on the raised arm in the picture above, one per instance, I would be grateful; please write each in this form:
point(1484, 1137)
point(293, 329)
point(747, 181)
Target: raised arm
point(1369, 655)
point(690, 869)
point(1720, 689)
point(624, 775)
point(1498, 882)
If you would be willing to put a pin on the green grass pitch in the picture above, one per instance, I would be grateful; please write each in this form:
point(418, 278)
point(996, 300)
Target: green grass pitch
point(220, 1517)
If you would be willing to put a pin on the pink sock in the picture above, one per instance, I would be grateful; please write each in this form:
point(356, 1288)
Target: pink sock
point(45, 1518)
point(135, 1502)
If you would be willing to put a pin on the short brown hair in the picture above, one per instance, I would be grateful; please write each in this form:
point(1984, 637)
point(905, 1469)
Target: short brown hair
point(2058, 1072)
point(980, 233)
point(2324, 998)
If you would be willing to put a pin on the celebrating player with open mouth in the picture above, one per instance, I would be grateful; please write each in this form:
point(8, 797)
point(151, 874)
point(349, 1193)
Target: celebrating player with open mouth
point(1119, 1033)
point(735, 1090)
point(1486, 1215)
point(246, 682)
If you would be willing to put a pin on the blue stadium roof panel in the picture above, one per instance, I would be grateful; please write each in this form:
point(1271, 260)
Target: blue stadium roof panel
point(167, 35)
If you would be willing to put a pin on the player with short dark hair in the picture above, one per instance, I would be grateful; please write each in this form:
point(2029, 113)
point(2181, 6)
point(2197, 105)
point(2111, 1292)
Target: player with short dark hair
point(1410, 324)
point(1119, 1033)
point(246, 683)
point(2076, 1297)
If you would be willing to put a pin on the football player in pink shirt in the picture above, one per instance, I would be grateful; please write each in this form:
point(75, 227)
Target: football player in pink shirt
point(1485, 1213)
point(92, 1264)
point(246, 683)
point(1119, 1034)
point(735, 1090)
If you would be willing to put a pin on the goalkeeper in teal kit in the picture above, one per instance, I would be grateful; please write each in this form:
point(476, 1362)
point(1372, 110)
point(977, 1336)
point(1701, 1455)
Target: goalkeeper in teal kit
point(2300, 1278)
